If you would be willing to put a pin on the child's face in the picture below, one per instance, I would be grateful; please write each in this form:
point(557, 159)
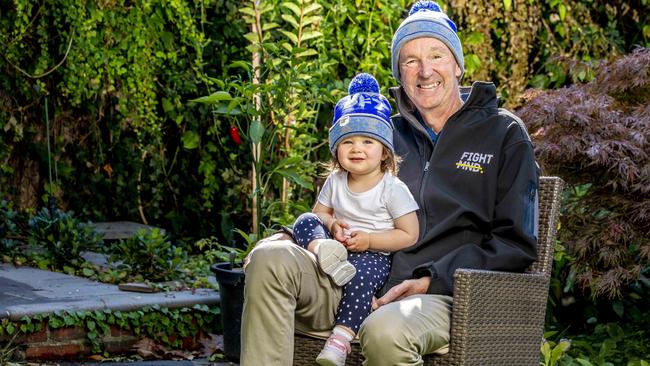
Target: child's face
point(360, 155)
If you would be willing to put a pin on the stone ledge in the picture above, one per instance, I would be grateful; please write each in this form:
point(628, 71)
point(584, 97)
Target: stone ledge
point(118, 230)
point(33, 291)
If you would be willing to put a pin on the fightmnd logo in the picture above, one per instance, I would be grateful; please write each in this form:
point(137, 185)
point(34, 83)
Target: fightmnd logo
point(473, 161)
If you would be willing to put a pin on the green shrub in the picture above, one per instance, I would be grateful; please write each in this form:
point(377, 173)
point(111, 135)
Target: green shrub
point(148, 255)
point(606, 345)
point(8, 227)
point(62, 236)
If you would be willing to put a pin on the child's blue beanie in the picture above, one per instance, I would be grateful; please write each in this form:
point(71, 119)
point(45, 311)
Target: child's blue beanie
point(363, 112)
point(426, 19)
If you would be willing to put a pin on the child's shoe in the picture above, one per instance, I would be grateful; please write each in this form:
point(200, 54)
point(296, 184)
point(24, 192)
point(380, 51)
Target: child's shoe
point(333, 260)
point(335, 351)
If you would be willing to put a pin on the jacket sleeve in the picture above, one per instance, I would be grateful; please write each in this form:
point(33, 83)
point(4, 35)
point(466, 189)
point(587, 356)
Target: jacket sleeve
point(511, 243)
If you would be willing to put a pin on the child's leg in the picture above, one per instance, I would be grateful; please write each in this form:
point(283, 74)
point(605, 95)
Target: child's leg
point(336, 348)
point(307, 228)
point(310, 233)
point(372, 272)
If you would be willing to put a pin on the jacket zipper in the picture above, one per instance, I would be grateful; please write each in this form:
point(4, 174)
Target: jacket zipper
point(425, 171)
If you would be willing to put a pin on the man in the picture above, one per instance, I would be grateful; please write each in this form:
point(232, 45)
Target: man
point(470, 167)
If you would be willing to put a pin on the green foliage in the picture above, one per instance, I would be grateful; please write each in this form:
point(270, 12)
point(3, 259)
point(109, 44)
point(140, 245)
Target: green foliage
point(150, 255)
point(105, 274)
point(11, 132)
point(147, 255)
point(8, 227)
point(576, 33)
point(552, 351)
point(274, 107)
point(213, 252)
point(118, 53)
point(164, 325)
point(62, 236)
point(356, 37)
point(607, 344)
point(127, 145)
point(118, 94)
point(498, 39)
point(544, 43)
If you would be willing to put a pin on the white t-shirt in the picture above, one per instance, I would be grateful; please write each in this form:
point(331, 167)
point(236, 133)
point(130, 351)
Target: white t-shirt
point(371, 211)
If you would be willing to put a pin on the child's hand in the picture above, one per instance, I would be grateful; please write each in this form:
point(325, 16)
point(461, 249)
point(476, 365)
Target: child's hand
point(339, 230)
point(359, 241)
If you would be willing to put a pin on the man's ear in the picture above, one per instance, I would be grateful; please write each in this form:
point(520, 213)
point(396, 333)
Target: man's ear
point(458, 72)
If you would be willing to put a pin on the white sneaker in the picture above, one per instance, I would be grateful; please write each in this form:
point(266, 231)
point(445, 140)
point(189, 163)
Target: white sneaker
point(333, 260)
point(335, 351)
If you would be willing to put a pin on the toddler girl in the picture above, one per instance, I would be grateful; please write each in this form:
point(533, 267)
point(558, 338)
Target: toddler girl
point(363, 209)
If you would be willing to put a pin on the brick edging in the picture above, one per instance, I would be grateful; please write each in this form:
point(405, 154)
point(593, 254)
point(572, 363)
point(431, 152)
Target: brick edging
point(72, 343)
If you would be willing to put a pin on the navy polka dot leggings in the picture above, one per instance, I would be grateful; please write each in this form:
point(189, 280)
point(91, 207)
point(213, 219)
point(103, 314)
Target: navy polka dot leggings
point(372, 273)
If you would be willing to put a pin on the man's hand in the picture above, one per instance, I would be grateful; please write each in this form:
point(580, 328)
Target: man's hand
point(359, 241)
point(404, 289)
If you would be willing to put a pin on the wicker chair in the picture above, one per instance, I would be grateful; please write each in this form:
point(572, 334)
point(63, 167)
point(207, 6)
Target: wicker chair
point(498, 317)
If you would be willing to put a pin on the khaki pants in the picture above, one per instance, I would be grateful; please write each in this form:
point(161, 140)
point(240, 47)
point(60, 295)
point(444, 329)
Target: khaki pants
point(286, 292)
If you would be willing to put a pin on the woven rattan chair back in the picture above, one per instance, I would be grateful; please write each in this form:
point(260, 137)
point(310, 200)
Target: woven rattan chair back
point(498, 317)
point(550, 197)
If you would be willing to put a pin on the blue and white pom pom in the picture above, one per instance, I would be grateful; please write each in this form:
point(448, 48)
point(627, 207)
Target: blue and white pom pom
point(425, 5)
point(428, 5)
point(363, 83)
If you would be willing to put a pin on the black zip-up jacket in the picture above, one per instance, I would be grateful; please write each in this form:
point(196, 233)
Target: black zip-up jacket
point(476, 188)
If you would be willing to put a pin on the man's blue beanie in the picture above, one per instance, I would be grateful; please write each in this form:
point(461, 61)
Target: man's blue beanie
point(363, 112)
point(426, 19)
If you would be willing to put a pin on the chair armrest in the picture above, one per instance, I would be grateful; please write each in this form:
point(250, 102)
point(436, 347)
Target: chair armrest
point(496, 312)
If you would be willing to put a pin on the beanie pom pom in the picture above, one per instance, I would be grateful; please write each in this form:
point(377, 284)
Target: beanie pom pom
point(363, 83)
point(426, 5)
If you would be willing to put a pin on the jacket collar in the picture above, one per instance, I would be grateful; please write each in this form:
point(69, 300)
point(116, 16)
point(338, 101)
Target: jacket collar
point(480, 95)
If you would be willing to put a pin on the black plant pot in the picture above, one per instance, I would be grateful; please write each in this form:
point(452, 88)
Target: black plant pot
point(231, 290)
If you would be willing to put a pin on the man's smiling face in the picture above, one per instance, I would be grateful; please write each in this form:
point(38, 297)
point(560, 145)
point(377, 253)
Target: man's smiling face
point(429, 74)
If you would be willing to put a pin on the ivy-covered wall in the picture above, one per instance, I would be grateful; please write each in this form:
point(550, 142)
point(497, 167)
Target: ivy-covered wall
point(115, 78)
point(74, 335)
